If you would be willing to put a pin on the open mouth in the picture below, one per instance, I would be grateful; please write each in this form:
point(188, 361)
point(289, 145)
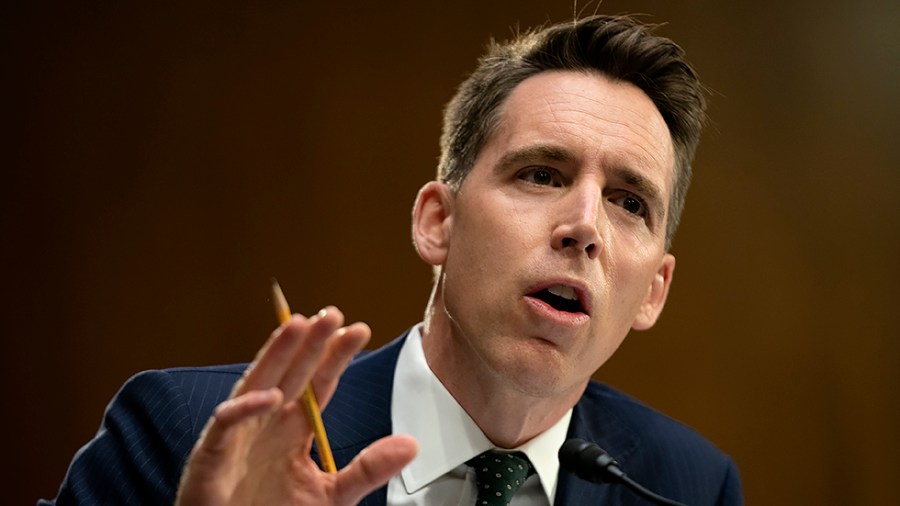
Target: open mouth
point(560, 297)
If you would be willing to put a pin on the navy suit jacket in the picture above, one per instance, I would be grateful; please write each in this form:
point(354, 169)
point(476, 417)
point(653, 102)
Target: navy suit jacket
point(151, 426)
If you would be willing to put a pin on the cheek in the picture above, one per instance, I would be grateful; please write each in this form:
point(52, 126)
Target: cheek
point(635, 255)
point(632, 285)
point(487, 249)
point(492, 234)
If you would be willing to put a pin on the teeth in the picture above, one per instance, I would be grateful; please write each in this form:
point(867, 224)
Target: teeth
point(566, 292)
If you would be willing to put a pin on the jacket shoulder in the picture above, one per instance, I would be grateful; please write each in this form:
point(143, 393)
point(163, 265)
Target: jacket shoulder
point(660, 452)
point(147, 432)
point(648, 424)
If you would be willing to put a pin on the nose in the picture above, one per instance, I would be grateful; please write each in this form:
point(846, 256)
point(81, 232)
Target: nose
point(577, 226)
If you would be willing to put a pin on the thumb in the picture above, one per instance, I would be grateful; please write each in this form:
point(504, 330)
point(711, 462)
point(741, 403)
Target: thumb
point(374, 467)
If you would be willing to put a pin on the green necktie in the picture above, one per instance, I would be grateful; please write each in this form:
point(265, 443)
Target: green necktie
point(499, 476)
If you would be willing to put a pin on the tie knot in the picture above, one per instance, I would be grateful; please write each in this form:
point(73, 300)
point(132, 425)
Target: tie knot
point(499, 475)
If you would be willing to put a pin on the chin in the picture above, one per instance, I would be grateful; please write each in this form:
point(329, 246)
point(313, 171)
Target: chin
point(535, 371)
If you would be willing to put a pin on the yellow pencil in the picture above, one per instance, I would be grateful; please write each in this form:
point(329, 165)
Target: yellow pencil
point(309, 398)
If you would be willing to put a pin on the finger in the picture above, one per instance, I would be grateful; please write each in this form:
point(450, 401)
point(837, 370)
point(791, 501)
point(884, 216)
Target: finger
point(262, 351)
point(219, 449)
point(373, 467)
point(219, 433)
point(274, 359)
point(306, 359)
point(339, 351)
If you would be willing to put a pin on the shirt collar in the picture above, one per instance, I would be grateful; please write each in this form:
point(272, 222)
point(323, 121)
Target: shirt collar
point(424, 409)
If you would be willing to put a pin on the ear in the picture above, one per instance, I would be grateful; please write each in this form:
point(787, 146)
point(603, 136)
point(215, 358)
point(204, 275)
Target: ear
point(656, 295)
point(432, 221)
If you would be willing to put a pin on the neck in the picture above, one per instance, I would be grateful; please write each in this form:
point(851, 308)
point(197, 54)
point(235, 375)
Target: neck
point(509, 415)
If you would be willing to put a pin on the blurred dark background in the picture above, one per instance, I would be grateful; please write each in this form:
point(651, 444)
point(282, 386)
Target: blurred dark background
point(164, 159)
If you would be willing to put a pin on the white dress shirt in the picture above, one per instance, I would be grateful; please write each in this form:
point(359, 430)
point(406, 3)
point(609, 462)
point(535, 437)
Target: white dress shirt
point(448, 437)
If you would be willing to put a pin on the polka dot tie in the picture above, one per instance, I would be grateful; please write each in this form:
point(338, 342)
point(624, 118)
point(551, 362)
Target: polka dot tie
point(499, 476)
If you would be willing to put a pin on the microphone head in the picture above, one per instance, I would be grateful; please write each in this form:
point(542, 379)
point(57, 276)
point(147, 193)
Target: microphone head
point(588, 461)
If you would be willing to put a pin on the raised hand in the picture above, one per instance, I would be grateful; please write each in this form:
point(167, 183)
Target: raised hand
point(255, 449)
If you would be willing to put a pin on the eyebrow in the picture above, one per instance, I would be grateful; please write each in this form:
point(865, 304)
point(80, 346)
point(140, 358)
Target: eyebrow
point(534, 153)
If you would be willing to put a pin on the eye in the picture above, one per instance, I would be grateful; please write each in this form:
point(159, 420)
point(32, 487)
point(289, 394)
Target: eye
point(631, 203)
point(541, 176)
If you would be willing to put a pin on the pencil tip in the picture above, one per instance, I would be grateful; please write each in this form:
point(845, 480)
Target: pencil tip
point(281, 305)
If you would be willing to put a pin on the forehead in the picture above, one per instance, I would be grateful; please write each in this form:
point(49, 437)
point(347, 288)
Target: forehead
point(596, 119)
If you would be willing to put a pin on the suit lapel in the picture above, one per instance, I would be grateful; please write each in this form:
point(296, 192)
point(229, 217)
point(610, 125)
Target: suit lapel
point(591, 422)
point(359, 413)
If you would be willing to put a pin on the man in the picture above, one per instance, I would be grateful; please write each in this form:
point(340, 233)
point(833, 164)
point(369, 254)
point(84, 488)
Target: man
point(565, 160)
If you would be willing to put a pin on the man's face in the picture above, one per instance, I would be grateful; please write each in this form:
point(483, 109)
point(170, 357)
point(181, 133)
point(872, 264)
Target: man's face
point(556, 238)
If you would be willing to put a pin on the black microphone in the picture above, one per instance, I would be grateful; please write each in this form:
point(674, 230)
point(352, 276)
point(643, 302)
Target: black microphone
point(590, 462)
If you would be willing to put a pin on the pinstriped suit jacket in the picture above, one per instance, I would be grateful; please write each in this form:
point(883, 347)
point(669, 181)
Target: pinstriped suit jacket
point(153, 422)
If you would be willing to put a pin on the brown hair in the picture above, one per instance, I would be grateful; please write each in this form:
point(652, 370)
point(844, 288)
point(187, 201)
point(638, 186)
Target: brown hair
point(616, 46)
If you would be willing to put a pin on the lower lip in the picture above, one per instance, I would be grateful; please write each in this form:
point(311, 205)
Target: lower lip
point(548, 312)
